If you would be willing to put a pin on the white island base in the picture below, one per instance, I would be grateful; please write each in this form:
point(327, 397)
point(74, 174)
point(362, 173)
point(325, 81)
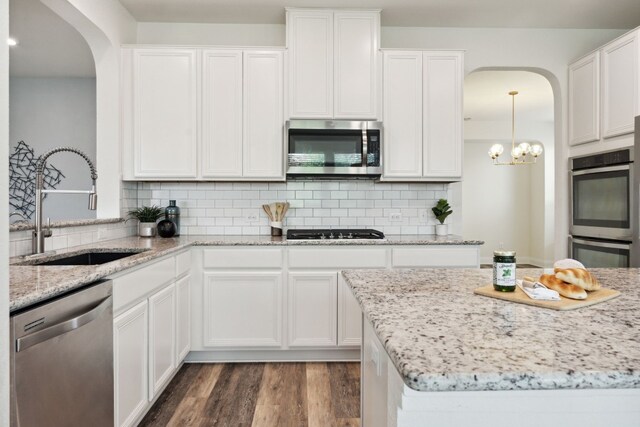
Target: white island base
point(388, 402)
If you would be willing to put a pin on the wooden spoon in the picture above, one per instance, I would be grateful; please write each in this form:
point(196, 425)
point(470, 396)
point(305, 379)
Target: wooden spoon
point(285, 209)
point(279, 207)
point(267, 211)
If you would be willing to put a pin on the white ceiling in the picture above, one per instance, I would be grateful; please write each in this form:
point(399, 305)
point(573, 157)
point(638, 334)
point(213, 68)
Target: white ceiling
point(47, 45)
point(618, 14)
point(486, 96)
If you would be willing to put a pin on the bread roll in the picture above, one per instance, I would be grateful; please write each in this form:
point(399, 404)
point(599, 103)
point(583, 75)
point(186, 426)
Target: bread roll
point(578, 277)
point(568, 263)
point(564, 289)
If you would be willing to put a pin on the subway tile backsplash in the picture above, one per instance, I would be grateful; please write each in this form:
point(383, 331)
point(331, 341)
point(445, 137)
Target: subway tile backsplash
point(236, 208)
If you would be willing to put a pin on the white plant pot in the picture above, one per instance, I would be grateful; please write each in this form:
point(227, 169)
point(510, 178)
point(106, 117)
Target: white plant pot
point(147, 229)
point(442, 229)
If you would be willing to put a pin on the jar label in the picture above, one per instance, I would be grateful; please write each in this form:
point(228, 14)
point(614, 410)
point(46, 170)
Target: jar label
point(504, 273)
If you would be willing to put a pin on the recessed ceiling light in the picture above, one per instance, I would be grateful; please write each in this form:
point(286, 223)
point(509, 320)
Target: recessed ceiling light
point(466, 119)
point(12, 42)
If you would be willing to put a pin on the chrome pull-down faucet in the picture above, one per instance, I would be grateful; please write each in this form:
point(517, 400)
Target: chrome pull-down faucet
point(39, 233)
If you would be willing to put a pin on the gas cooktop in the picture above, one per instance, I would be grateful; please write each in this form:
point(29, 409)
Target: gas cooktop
point(335, 234)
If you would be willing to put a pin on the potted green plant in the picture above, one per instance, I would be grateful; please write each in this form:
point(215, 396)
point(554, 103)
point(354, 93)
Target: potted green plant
point(442, 210)
point(147, 217)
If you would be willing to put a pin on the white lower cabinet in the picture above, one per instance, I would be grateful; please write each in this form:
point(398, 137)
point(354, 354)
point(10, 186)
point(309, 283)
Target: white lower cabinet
point(183, 318)
point(162, 338)
point(151, 332)
point(243, 309)
point(349, 316)
point(312, 309)
point(130, 341)
point(374, 381)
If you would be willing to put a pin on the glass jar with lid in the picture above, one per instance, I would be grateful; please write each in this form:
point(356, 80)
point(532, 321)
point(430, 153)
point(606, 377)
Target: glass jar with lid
point(504, 271)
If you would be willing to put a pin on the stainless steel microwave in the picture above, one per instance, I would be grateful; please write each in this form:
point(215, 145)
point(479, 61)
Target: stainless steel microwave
point(334, 148)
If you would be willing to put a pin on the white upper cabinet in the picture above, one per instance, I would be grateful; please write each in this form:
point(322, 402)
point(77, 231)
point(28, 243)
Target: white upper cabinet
point(164, 113)
point(423, 115)
point(221, 113)
point(263, 114)
point(442, 120)
point(604, 96)
point(356, 44)
point(620, 80)
point(310, 42)
point(333, 63)
point(402, 95)
point(584, 100)
point(202, 114)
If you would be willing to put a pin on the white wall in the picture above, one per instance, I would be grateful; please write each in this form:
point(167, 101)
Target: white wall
point(538, 189)
point(57, 112)
point(4, 220)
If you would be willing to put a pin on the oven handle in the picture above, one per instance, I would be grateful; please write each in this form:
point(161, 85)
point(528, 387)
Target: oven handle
point(601, 244)
point(601, 170)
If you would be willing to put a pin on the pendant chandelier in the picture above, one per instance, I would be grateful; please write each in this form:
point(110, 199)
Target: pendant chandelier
point(524, 153)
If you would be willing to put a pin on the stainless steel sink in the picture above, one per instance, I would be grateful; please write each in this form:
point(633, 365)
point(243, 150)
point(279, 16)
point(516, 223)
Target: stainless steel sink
point(82, 258)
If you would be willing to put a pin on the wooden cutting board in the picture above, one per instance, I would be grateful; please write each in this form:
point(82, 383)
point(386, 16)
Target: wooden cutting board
point(520, 297)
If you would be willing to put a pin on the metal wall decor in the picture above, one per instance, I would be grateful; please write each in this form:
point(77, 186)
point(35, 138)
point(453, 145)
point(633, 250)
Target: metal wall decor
point(22, 173)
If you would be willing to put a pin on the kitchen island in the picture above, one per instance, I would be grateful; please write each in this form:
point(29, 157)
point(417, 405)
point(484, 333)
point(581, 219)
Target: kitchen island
point(436, 354)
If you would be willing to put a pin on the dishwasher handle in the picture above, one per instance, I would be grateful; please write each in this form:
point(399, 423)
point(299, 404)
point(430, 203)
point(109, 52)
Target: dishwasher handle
point(62, 327)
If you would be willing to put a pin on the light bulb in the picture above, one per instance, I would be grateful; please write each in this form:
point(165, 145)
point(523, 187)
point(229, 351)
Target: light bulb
point(516, 152)
point(496, 150)
point(525, 147)
point(12, 41)
point(536, 150)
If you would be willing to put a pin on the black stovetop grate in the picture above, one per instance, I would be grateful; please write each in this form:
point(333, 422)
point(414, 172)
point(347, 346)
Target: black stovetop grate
point(335, 233)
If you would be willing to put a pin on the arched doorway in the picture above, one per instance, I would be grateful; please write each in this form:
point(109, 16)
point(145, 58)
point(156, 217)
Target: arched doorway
point(509, 207)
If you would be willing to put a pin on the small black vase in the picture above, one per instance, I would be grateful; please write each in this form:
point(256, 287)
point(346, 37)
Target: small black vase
point(166, 228)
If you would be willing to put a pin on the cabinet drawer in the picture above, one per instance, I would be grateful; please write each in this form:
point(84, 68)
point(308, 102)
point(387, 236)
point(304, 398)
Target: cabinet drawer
point(337, 258)
point(436, 256)
point(183, 263)
point(136, 284)
point(259, 257)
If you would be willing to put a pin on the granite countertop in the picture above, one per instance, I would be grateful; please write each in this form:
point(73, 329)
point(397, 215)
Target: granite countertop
point(30, 284)
point(29, 225)
point(442, 337)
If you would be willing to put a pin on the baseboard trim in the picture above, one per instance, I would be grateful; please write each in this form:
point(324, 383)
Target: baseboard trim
point(247, 356)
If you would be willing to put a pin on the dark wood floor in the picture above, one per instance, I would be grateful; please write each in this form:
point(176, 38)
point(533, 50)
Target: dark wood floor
point(260, 394)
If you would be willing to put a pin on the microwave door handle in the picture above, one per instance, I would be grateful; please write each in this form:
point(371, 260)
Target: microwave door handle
point(601, 170)
point(365, 148)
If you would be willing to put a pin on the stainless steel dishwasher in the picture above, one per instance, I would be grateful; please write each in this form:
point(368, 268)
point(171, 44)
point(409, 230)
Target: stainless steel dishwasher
point(62, 361)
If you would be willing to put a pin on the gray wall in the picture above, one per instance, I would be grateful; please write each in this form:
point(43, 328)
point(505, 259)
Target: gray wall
point(52, 112)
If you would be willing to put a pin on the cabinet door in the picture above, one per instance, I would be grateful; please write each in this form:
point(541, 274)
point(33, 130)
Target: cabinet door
point(620, 85)
point(310, 45)
point(312, 309)
point(349, 316)
point(584, 100)
point(442, 114)
point(402, 97)
point(183, 318)
point(162, 338)
point(242, 309)
point(130, 364)
point(165, 117)
point(356, 43)
point(263, 115)
point(221, 113)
